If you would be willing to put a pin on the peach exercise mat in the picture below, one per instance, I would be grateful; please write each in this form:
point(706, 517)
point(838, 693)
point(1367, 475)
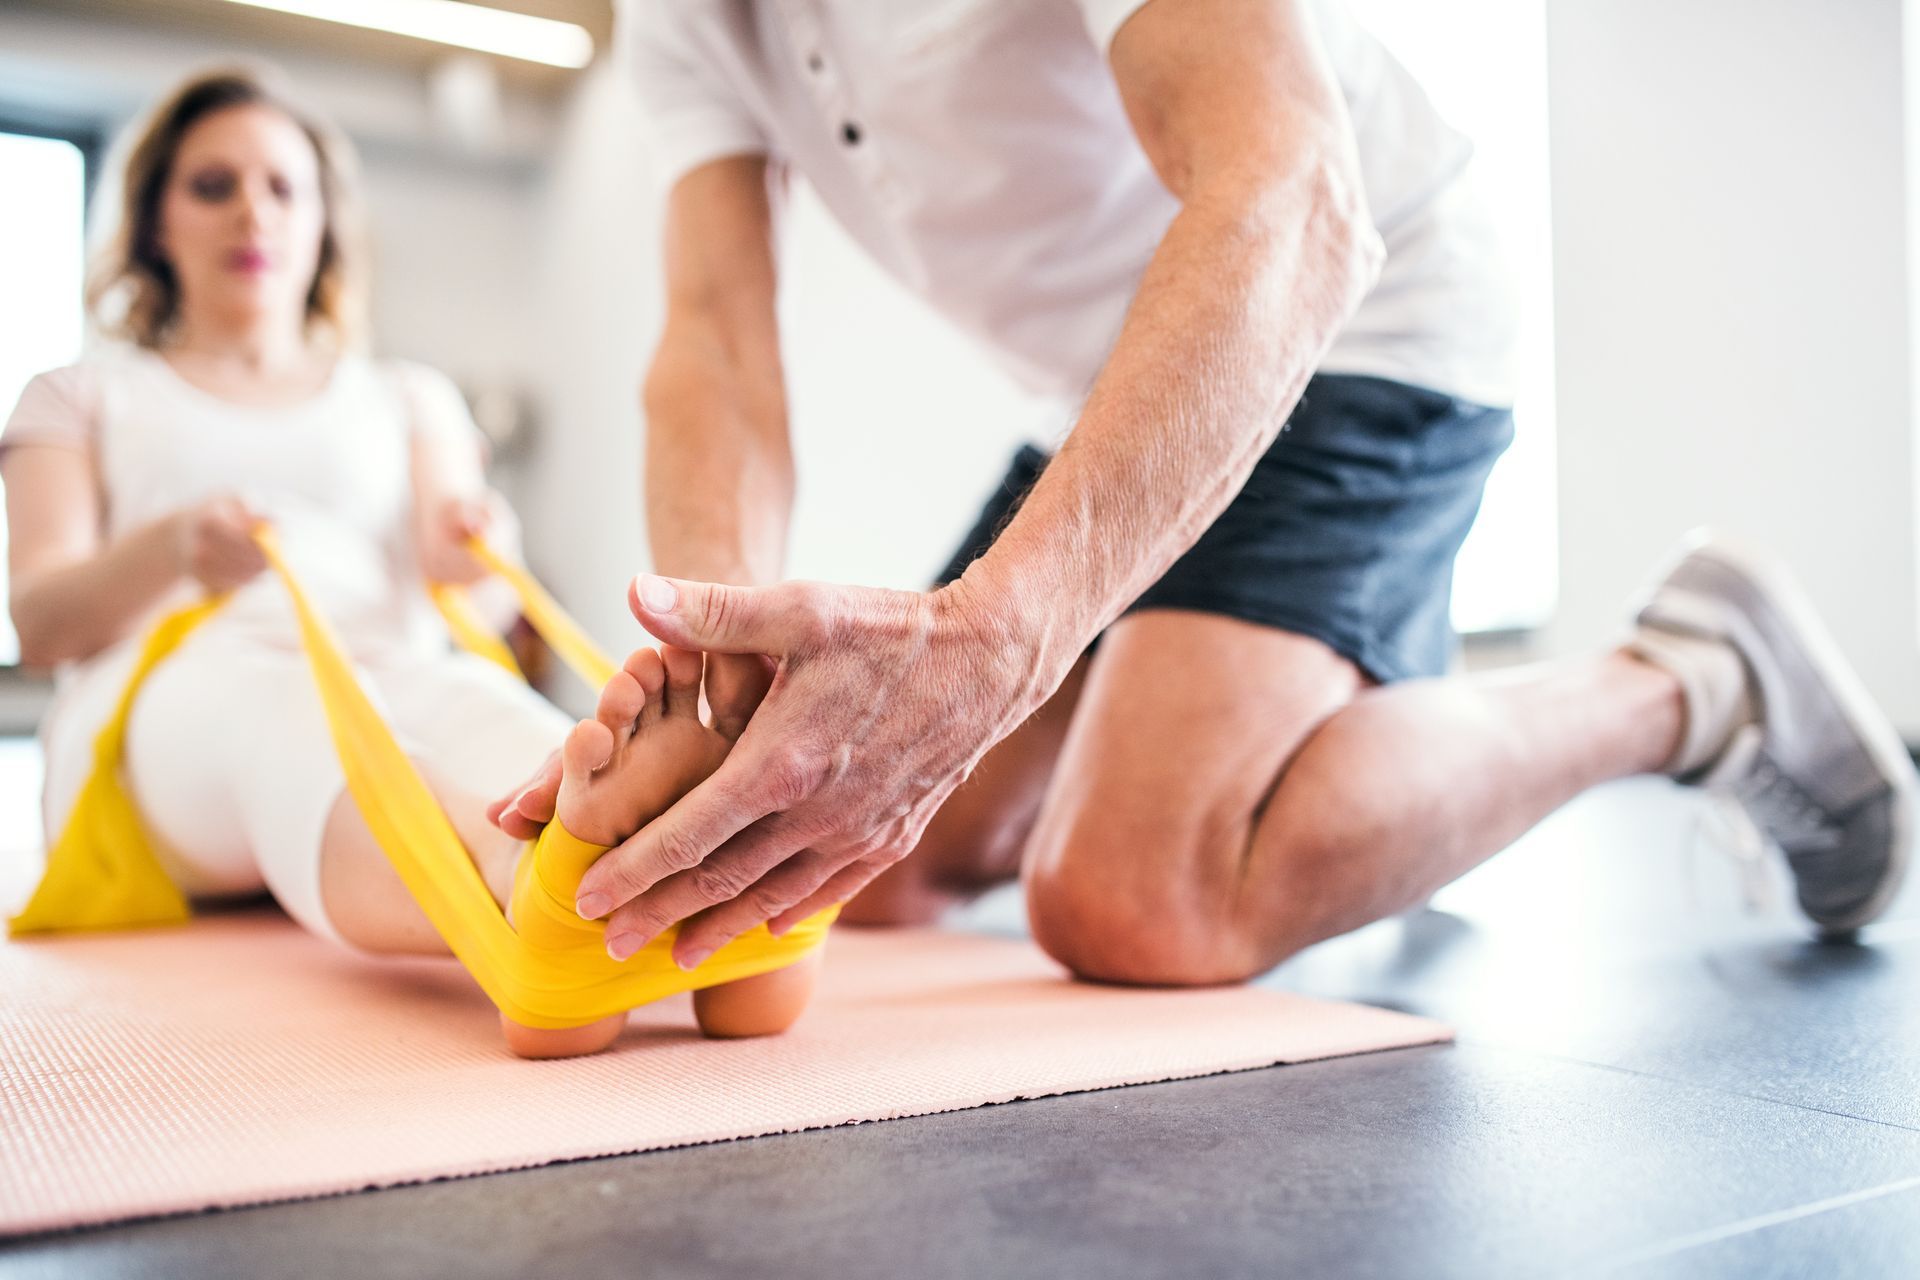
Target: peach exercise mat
point(238, 1060)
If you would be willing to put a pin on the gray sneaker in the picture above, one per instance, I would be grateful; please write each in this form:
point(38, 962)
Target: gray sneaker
point(1821, 772)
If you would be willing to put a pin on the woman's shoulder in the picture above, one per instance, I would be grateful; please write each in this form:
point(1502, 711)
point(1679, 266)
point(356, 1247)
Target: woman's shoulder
point(63, 405)
point(88, 375)
point(431, 400)
point(420, 385)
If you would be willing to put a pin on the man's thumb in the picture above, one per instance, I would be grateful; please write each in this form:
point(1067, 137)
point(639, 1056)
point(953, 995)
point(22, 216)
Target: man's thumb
point(706, 615)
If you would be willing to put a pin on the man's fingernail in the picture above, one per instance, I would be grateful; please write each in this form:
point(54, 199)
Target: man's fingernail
point(691, 960)
point(622, 945)
point(778, 928)
point(657, 593)
point(593, 906)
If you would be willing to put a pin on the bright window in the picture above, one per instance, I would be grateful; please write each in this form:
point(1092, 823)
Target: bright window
point(41, 262)
point(1484, 64)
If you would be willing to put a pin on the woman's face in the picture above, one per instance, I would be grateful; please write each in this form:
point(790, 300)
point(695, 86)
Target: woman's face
point(242, 216)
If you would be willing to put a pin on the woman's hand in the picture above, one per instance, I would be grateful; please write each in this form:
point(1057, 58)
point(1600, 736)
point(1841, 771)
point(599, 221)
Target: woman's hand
point(213, 543)
point(444, 533)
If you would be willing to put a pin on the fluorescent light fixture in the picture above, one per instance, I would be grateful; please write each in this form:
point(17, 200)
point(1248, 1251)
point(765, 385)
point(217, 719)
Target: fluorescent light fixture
point(470, 26)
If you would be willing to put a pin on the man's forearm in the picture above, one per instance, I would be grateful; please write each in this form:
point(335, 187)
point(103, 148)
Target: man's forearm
point(719, 481)
point(1241, 300)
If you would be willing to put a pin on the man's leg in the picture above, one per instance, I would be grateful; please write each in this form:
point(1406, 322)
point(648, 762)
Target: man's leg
point(1231, 793)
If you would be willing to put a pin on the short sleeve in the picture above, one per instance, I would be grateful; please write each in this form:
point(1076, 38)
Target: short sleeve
point(435, 407)
point(676, 56)
point(60, 408)
point(1105, 17)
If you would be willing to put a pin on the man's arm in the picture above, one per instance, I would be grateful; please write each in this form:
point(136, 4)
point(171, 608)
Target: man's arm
point(886, 700)
point(1243, 119)
point(719, 465)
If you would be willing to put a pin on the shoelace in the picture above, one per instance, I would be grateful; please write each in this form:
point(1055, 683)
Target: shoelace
point(1751, 804)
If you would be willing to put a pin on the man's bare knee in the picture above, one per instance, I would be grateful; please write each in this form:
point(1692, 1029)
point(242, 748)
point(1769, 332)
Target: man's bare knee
point(1175, 926)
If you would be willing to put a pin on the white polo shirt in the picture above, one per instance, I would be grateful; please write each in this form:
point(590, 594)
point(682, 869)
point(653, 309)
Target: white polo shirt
point(978, 149)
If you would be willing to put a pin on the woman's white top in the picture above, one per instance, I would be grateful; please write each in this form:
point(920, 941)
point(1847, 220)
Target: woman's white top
point(333, 473)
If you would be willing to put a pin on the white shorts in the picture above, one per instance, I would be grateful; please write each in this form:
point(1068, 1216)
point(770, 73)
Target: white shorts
point(230, 760)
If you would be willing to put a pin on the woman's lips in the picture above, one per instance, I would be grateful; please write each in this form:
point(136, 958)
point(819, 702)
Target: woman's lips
point(250, 261)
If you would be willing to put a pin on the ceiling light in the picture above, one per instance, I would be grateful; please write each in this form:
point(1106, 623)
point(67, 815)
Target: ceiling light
point(470, 26)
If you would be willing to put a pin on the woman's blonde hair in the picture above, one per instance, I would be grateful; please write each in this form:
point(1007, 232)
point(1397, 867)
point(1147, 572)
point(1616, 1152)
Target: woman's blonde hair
point(133, 272)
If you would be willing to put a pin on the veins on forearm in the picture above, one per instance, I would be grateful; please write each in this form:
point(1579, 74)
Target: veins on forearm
point(1239, 303)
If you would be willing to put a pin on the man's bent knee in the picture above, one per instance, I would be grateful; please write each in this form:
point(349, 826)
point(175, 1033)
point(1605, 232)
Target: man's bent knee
point(1171, 929)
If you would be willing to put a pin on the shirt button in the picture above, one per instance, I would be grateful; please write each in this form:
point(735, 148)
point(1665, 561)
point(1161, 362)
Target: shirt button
point(850, 134)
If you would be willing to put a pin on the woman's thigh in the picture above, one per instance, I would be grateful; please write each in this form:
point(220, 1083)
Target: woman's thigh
point(479, 728)
point(233, 767)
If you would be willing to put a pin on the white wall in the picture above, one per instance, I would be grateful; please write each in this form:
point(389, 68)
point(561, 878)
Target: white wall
point(453, 266)
point(596, 311)
point(901, 425)
point(1732, 297)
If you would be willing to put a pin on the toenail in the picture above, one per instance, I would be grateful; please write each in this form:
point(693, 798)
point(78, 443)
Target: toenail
point(657, 593)
point(593, 906)
point(623, 945)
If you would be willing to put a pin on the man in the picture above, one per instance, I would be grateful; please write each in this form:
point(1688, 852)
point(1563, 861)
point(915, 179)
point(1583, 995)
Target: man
point(1243, 227)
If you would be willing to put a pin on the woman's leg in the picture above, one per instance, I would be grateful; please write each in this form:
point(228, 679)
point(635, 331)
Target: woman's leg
point(227, 750)
point(644, 749)
point(233, 765)
point(365, 900)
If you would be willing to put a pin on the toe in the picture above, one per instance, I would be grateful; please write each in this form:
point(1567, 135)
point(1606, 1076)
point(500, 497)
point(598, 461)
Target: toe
point(620, 705)
point(588, 747)
point(645, 668)
point(683, 680)
point(736, 684)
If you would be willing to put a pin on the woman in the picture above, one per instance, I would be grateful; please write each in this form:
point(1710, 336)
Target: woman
point(134, 478)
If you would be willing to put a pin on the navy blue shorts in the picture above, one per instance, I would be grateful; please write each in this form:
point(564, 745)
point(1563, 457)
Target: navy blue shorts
point(1346, 531)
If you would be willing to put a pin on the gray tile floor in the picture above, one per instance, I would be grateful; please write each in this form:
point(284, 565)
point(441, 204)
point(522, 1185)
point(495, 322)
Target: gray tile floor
point(1648, 1082)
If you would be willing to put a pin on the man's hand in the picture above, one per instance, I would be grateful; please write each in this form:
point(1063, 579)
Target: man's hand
point(882, 702)
point(734, 685)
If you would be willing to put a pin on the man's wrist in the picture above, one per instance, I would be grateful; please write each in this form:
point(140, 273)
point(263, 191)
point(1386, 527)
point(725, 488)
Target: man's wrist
point(1019, 632)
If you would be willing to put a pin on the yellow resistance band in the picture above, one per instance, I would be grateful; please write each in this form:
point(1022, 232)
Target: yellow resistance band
point(548, 969)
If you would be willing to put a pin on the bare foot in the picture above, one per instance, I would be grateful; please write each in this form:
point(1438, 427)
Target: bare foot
point(645, 748)
point(762, 1006)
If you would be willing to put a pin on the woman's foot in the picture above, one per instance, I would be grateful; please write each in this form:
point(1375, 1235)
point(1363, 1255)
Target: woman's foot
point(762, 1006)
point(645, 748)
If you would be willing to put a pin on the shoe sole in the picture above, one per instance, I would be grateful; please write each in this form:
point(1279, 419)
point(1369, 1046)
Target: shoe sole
point(1776, 585)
